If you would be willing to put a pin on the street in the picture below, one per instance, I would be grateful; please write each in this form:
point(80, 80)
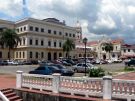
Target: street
point(26, 68)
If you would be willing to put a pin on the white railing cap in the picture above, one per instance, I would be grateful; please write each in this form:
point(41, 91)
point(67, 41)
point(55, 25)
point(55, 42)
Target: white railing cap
point(107, 77)
point(19, 71)
point(56, 74)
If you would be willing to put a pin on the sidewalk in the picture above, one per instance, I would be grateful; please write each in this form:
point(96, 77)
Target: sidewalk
point(7, 81)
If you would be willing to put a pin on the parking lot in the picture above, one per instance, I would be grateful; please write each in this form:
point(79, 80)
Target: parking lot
point(117, 67)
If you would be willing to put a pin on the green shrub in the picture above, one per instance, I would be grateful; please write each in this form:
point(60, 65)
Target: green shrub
point(96, 72)
point(129, 69)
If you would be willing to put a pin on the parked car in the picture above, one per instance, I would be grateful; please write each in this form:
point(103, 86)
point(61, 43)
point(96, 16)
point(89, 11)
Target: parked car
point(27, 62)
point(64, 71)
point(80, 67)
point(3, 62)
point(45, 70)
point(11, 62)
point(130, 62)
point(109, 61)
point(103, 62)
point(117, 61)
point(65, 63)
point(70, 61)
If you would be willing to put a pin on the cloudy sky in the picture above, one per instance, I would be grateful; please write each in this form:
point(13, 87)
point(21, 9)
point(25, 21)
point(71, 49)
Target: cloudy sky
point(112, 18)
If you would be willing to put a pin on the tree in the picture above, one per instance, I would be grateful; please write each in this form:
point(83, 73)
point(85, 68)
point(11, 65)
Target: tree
point(9, 39)
point(68, 46)
point(108, 48)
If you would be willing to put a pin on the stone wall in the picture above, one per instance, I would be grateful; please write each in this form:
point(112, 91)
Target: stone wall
point(35, 96)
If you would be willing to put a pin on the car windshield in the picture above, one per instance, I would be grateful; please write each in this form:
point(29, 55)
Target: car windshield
point(90, 65)
point(59, 66)
point(53, 68)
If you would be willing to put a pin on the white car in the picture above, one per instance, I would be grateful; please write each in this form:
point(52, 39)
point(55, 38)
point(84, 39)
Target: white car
point(80, 67)
point(12, 62)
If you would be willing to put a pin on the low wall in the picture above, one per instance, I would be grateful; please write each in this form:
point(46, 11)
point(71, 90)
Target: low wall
point(32, 95)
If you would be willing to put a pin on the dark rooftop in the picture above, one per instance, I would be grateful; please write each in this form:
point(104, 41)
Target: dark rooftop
point(54, 20)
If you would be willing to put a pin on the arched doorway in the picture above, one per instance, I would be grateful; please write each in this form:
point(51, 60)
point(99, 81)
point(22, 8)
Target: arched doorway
point(104, 57)
point(49, 56)
point(60, 54)
point(80, 55)
point(55, 56)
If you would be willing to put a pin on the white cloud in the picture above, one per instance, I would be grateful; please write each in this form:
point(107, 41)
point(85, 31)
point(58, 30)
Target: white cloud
point(114, 18)
point(131, 9)
point(11, 8)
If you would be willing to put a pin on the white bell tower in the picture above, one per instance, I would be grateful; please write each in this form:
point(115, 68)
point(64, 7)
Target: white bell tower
point(78, 32)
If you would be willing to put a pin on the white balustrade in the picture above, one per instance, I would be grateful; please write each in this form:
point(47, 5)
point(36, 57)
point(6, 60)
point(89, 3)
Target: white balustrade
point(81, 85)
point(123, 89)
point(42, 82)
point(106, 87)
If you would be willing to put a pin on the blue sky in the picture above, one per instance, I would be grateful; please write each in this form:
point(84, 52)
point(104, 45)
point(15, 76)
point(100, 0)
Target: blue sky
point(111, 18)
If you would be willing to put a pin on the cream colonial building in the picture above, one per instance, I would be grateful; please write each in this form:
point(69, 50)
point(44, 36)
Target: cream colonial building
point(40, 39)
point(102, 54)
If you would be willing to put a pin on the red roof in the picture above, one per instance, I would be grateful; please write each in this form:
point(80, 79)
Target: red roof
point(93, 43)
point(116, 41)
point(128, 46)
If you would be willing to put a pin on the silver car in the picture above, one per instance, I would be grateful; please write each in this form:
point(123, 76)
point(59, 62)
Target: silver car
point(80, 67)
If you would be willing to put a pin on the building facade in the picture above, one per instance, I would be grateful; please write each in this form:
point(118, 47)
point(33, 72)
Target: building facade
point(98, 47)
point(128, 51)
point(40, 39)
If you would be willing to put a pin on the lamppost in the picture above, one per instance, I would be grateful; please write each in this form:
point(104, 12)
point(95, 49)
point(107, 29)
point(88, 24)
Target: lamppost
point(85, 42)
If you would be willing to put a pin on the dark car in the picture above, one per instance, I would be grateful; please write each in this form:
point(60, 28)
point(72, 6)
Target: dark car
point(70, 61)
point(64, 70)
point(130, 63)
point(65, 63)
point(27, 62)
point(45, 70)
point(3, 62)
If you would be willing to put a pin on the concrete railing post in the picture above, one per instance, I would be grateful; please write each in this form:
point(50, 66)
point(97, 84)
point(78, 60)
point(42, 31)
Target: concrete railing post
point(56, 82)
point(107, 88)
point(19, 79)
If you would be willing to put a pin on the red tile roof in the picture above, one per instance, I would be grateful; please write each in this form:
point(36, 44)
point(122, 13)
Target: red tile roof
point(116, 41)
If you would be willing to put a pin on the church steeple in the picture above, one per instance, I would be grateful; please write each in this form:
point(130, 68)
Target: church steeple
point(78, 31)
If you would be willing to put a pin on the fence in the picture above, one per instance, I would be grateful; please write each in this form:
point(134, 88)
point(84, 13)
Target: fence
point(105, 87)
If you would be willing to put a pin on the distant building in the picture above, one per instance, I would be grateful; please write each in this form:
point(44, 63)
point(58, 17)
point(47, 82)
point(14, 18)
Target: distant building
point(128, 51)
point(102, 54)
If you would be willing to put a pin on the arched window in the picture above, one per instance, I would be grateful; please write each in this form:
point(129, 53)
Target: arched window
point(60, 54)
point(49, 43)
point(36, 55)
point(80, 55)
point(31, 55)
point(0, 54)
point(55, 56)
point(49, 56)
point(42, 54)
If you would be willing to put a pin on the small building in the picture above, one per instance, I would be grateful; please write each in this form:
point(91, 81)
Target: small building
point(128, 51)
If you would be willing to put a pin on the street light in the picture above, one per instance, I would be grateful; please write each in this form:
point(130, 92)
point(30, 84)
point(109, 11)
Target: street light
point(85, 42)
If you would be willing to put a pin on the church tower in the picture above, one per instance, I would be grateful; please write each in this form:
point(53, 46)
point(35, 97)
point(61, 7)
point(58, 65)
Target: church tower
point(78, 32)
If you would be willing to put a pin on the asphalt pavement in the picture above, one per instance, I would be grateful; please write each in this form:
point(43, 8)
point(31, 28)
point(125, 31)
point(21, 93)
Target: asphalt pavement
point(26, 68)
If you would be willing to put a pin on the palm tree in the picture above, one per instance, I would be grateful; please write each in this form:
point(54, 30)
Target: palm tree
point(68, 46)
point(9, 39)
point(108, 48)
